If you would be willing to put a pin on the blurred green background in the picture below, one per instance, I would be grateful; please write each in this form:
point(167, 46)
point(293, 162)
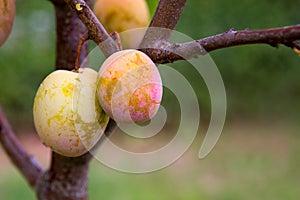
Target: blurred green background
point(257, 155)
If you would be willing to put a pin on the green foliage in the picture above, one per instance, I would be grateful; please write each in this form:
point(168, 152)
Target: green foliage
point(14, 186)
point(152, 6)
point(27, 57)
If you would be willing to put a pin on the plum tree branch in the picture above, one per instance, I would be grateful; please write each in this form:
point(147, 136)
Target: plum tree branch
point(26, 163)
point(166, 17)
point(95, 29)
point(67, 178)
point(66, 54)
point(287, 35)
point(167, 14)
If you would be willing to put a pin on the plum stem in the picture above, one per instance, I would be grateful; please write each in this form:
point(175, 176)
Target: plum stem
point(83, 38)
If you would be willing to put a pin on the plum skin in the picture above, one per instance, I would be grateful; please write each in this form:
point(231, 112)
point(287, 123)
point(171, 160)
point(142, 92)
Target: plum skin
point(129, 87)
point(67, 117)
point(127, 17)
point(122, 15)
point(7, 16)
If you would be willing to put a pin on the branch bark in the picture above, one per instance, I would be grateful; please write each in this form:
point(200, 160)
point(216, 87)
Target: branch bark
point(166, 17)
point(66, 179)
point(167, 14)
point(172, 52)
point(70, 34)
point(26, 163)
point(95, 29)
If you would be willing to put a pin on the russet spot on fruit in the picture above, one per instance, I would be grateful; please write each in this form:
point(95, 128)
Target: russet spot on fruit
point(129, 87)
point(7, 15)
point(122, 15)
point(66, 114)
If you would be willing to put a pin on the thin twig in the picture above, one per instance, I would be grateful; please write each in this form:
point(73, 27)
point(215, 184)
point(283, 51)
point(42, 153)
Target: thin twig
point(117, 38)
point(171, 52)
point(166, 17)
point(68, 37)
point(273, 37)
point(95, 29)
point(83, 38)
point(26, 163)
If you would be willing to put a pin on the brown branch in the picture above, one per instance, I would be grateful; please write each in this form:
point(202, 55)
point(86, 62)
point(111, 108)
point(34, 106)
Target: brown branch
point(66, 179)
point(26, 163)
point(166, 17)
point(66, 54)
point(95, 29)
point(275, 36)
point(167, 13)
